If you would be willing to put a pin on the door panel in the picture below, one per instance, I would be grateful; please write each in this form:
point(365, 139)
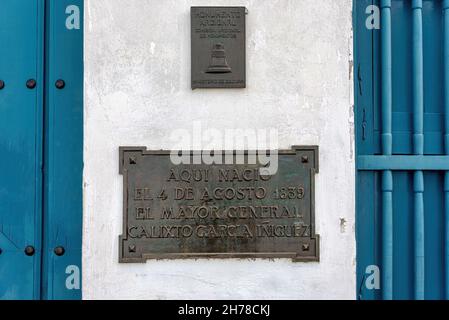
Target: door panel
point(21, 59)
point(64, 148)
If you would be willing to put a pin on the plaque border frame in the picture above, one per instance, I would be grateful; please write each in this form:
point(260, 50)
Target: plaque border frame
point(313, 239)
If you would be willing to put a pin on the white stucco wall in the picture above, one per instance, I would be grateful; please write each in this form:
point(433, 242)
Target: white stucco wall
point(137, 90)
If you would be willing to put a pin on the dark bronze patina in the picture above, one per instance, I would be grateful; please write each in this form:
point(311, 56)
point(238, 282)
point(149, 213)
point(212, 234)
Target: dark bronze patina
point(218, 47)
point(219, 210)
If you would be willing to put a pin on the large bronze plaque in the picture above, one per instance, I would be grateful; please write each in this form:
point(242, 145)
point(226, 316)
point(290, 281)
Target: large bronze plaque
point(218, 210)
point(218, 47)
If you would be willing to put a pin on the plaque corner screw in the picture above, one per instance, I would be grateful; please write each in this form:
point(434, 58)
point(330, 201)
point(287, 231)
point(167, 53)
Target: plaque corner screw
point(305, 247)
point(132, 248)
point(132, 160)
point(304, 159)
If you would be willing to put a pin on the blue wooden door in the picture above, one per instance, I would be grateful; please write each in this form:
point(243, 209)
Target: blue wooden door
point(21, 127)
point(41, 81)
point(402, 132)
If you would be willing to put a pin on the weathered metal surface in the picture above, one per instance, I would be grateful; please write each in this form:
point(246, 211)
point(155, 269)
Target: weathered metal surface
point(219, 210)
point(218, 47)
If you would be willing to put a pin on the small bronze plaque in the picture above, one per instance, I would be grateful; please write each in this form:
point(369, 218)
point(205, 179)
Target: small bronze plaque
point(218, 47)
point(219, 210)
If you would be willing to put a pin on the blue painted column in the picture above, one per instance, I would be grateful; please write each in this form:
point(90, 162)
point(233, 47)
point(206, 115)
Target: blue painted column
point(418, 188)
point(387, 175)
point(446, 137)
point(387, 234)
point(418, 147)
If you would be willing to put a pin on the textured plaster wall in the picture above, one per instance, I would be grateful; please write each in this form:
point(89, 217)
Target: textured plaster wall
point(137, 90)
